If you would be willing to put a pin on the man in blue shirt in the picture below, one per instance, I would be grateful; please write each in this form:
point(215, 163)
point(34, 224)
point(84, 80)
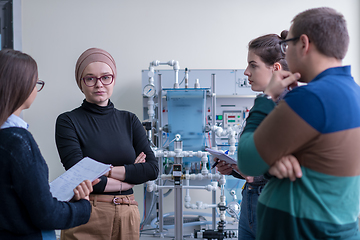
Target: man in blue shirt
point(319, 124)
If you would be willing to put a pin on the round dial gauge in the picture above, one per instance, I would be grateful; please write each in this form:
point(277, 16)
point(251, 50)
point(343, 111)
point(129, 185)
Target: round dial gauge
point(149, 90)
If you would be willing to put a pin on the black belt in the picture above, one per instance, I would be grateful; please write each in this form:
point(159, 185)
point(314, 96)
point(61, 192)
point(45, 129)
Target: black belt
point(258, 187)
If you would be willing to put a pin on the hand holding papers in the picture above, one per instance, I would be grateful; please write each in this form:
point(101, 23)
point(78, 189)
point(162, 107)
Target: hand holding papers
point(87, 169)
point(222, 157)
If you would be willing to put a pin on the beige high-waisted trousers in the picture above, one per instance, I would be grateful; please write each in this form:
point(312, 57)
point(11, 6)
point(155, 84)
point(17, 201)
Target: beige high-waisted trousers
point(108, 221)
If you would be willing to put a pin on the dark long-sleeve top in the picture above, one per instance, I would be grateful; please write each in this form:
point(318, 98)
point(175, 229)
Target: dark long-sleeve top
point(262, 179)
point(27, 206)
point(107, 135)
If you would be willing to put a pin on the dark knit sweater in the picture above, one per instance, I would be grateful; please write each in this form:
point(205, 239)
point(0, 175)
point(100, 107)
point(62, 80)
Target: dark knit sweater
point(109, 136)
point(27, 206)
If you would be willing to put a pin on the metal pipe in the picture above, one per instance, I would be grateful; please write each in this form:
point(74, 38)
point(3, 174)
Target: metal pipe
point(213, 106)
point(213, 140)
point(179, 219)
point(160, 141)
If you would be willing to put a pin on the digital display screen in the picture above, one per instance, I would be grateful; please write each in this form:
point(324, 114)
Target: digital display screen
point(176, 167)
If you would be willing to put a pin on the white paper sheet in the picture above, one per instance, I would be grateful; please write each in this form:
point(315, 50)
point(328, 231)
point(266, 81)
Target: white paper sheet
point(221, 155)
point(86, 169)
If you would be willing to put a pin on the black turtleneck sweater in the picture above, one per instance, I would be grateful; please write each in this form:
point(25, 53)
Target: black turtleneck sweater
point(109, 136)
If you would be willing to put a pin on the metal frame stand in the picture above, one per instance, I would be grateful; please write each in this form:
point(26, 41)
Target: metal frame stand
point(179, 219)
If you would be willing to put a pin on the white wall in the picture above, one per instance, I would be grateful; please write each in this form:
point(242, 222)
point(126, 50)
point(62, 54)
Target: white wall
point(198, 33)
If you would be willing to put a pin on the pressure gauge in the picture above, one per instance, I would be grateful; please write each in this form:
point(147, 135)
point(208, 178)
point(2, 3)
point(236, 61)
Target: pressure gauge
point(149, 90)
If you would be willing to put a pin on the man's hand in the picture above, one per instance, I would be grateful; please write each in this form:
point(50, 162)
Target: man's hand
point(287, 167)
point(281, 80)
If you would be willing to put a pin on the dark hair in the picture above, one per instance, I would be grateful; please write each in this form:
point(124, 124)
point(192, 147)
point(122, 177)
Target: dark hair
point(267, 47)
point(18, 76)
point(326, 28)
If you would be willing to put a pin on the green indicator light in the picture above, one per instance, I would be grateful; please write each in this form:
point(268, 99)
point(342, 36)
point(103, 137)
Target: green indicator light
point(219, 117)
point(238, 116)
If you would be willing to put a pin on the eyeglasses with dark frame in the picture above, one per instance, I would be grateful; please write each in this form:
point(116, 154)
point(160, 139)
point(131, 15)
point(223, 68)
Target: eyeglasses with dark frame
point(91, 81)
point(284, 44)
point(40, 85)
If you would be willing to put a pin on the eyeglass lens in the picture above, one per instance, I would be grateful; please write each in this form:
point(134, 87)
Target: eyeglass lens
point(284, 47)
point(39, 85)
point(91, 80)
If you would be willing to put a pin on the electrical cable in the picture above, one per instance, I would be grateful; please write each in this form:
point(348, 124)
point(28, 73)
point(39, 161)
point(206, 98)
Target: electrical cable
point(182, 81)
point(167, 137)
point(169, 143)
point(146, 217)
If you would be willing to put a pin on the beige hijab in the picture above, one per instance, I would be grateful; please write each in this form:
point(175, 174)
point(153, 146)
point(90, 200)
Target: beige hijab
point(93, 55)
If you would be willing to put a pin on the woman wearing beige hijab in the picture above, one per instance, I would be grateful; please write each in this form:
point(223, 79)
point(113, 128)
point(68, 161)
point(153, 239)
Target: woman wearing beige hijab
point(98, 130)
